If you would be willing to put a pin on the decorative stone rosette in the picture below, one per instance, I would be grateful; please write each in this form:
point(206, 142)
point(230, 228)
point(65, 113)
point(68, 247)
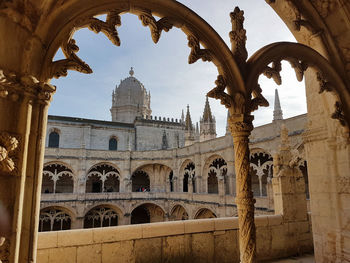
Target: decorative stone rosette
point(8, 145)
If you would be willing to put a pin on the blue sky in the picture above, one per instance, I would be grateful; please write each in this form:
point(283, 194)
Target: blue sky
point(163, 67)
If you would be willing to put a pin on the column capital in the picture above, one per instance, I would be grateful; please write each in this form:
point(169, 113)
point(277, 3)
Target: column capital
point(240, 124)
point(16, 86)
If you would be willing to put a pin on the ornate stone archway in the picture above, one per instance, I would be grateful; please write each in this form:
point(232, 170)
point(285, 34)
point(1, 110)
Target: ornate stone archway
point(35, 30)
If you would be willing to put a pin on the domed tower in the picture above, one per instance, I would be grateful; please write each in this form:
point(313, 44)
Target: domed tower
point(130, 100)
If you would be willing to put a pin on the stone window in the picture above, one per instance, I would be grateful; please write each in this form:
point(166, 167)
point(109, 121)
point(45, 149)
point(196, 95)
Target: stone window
point(113, 144)
point(54, 139)
point(101, 217)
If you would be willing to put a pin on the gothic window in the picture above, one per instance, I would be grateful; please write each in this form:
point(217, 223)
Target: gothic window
point(57, 178)
point(54, 139)
point(113, 144)
point(189, 177)
point(147, 213)
point(102, 178)
point(52, 219)
point(100, 217)
point(261, 172)
point(217, 170)
point(140, 182)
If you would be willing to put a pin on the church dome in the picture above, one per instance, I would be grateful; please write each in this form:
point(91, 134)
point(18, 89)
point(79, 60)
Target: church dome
point(130, 98)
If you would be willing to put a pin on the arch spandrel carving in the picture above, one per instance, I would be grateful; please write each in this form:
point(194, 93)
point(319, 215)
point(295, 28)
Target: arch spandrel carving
point(171, 12)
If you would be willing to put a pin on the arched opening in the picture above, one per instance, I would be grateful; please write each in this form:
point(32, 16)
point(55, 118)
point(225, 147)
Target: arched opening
point(147, 213)
point(113, 144)
point(261, 172)
point(102, 178)
point(64, 184)
point(204, 213)
point(178, 213)
point(57, 178)
point(112, 183)
point(94, 184)
point(54, 219)
point(217, 170)
point(171, 182)
point(54, 139)
point(47, 184)
point(189, 177)
point(101, 216)
point(212, 183)
point(140, 181)
point(185, 183)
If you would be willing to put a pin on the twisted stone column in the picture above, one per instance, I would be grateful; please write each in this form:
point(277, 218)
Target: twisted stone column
point(240, 127)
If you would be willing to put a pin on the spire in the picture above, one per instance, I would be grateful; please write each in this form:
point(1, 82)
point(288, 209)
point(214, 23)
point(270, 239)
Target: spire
point(197, 128)
point(182, 116)
point(188, 121)
point(131, 72)
point(227, 123)
point(277, 111)
point(207, 116)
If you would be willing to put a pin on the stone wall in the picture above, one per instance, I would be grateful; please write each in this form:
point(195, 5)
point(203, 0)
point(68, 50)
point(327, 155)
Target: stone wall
point(205, 240)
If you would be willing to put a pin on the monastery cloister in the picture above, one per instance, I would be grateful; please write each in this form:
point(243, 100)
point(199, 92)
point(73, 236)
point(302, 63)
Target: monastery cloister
point(31, 33)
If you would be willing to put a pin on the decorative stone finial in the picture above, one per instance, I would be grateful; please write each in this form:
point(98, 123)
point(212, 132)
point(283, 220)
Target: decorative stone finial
point(131, 72)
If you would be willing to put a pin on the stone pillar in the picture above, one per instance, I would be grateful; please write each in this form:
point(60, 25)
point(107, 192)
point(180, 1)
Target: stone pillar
point(23, 117)
point(288, 183)
point(190, 185)
point(78, 223)
point(241, 127)
point(231, 178)
point(221, 185)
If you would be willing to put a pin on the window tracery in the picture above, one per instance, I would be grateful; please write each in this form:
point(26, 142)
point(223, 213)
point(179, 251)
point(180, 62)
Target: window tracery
point(101, 217)
point(102, 178)
point(52, 219)
point(57, 178)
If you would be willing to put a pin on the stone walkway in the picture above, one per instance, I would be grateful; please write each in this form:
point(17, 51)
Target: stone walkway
point(302, 259)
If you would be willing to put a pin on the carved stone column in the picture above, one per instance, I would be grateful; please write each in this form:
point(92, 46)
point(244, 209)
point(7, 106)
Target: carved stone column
point(23, 117)
point(241, 127)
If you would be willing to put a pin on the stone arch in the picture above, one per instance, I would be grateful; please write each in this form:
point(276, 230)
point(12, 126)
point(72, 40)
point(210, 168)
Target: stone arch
point(149, 212)
point(103, 177)
point(178, 212)
point(58, 177)
point(204, 213)
point(58, 32)
point(215, 169)
point(152, 177)
point(102, 215)
point(261, 169)
point(55, 218)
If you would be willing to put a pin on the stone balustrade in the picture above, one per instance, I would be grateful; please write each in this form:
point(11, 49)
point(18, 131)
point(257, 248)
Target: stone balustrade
point(203, 240)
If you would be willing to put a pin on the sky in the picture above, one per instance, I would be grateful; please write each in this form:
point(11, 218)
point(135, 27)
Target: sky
point(163, 67)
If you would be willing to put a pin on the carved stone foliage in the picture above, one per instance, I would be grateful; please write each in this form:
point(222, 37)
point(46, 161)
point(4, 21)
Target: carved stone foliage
point(8, 145)
point(343, 184)
point(4, 250)
point(339, 114)
point(109, 27)
point(156, 27)
point(69, 48)
point(238, 36)
point(14, 86)
point(21, 12)
point(196, 51)
point(72, 62)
